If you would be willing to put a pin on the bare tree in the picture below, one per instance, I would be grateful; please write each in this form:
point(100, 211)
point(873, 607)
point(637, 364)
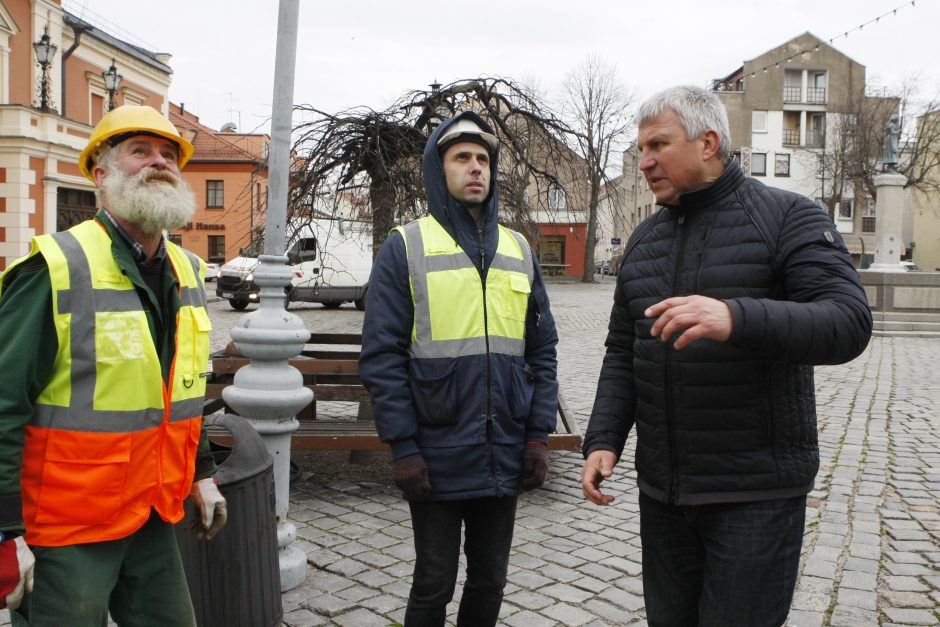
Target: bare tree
point(923, 164)
point(851, 150)
point(600, 110)
point(375, 156)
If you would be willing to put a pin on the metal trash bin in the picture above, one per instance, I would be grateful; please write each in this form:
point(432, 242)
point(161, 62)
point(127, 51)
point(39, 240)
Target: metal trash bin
point(235, 579)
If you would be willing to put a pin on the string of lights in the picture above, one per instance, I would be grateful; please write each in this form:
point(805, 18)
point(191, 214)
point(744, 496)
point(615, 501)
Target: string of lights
point(845, 34)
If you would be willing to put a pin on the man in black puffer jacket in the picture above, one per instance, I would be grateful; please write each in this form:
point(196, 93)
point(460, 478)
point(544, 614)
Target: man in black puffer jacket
point(726, 299)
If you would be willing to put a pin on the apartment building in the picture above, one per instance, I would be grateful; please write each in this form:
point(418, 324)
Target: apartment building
point(553, 215)
point(788, 109)
point(228, 173)
point(48, 107)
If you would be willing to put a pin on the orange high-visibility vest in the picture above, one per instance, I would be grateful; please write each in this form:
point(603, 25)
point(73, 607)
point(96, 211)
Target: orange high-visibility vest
point(108, 439)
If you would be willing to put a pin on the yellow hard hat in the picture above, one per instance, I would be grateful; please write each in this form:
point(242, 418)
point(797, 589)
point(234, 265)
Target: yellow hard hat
point(131, 120)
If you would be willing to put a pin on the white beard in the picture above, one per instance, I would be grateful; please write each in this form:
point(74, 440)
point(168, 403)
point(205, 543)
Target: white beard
point(152, 199)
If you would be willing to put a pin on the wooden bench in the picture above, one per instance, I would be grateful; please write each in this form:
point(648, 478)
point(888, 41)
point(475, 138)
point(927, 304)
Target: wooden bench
point(329, 364)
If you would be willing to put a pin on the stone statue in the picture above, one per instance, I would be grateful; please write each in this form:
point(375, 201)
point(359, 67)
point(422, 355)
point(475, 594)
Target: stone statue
point(891, 149)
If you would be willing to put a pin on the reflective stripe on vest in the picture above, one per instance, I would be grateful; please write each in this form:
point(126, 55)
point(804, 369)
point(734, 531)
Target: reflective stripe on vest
point(451, 318)
point(106, 432)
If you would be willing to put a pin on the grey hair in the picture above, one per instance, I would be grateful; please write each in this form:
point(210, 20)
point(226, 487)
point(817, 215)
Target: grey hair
point(106, 158)
point(699, 110)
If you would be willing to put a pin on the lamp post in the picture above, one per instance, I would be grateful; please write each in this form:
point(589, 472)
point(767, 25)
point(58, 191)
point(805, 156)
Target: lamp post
point(45, 51)
point(112, 80)
point(269, 391)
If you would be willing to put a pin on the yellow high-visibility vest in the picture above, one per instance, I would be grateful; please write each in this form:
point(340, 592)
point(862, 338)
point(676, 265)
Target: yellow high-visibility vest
point(109, 439)
point(454, 314)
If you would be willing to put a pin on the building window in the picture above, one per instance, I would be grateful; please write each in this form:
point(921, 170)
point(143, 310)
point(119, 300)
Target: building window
point(816, 92)
point(552, 254)
point(97, 108)
point(781, 165)
point(845, 209)
point(793, 86)
point(758, 121)
point(868, 215)
point(176, 239)
point(74, 206)
point(216, 246)
point(215, 194)
point(817, 130)
point(758, 164)
point(556, 197)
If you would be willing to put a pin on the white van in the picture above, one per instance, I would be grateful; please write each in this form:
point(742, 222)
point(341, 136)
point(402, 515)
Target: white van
point(330, 261)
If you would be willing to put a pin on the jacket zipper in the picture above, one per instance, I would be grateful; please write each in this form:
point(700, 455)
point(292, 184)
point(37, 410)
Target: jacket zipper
point(487, 369)
point(672, 495)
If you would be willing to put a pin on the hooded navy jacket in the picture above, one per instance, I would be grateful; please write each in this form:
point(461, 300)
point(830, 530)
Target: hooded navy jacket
point(475, 454)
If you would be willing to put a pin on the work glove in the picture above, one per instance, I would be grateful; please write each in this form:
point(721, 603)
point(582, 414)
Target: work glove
point(16, 572)
point(210, 509)
point(410, 474)
point(534, 465)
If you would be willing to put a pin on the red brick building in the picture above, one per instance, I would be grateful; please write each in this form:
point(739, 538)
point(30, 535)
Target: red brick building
point(229, 176)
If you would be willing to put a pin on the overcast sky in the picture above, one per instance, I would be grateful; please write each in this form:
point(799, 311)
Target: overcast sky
point(369, 52)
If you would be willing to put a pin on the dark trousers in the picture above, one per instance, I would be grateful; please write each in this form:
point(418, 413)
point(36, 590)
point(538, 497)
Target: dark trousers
point(139, 578)
point(725, 564)
point(488, 524)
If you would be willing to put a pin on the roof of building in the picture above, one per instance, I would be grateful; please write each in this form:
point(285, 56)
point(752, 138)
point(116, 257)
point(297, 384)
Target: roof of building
point(811, 43)
point(210, 145)
point(151, 58)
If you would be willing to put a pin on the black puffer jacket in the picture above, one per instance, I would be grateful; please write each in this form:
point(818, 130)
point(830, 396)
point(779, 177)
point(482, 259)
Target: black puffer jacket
point(736, 420)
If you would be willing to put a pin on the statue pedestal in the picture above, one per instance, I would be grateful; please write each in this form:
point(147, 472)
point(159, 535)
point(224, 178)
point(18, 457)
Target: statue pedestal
point(889, 208)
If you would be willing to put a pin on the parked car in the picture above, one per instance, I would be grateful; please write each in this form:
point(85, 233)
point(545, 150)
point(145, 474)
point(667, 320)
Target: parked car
point(910, 266)
point(212, 271)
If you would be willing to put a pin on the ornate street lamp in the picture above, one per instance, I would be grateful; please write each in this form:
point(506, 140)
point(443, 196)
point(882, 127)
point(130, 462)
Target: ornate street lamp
point(112, 80)
point(45, 52)
point(440, 111)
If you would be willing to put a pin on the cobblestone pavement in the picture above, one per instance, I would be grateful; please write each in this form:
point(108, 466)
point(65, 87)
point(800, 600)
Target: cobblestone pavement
point(872, 546)
point(871, 552)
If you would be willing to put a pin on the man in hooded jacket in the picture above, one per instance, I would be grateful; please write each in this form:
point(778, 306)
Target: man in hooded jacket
point(458, 353)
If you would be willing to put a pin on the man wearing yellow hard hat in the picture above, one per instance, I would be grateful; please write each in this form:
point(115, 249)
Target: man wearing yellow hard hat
point(105, 338)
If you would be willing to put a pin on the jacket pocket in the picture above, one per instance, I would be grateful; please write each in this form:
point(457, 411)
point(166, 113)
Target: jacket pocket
point(83, 478)
point(434, 391)
point(513, 303)
point(194, 332)
point(523, 389)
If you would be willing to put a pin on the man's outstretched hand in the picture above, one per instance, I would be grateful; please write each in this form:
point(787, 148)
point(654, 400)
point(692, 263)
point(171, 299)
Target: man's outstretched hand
point(597, 467)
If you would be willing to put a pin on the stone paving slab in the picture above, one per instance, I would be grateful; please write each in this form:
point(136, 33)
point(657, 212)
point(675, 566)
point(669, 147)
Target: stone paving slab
point(871, 553)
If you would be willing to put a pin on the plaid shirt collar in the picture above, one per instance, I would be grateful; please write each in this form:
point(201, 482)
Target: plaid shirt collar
point(140, 256)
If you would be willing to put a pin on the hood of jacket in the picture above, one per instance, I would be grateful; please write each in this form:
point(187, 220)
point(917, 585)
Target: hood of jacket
point(478, 240)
